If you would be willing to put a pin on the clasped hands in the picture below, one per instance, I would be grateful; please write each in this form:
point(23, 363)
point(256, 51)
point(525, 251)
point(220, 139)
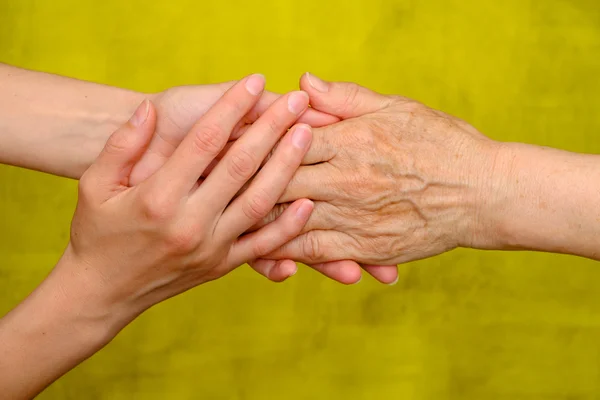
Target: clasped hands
point(360, 180)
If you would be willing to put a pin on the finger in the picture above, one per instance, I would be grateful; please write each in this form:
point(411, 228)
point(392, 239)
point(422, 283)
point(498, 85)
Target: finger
point(342, 99)
point(323, 217)
point(213, 163)
point(244, 158)
point(256, 202)
point(312, 182)
point(208, 137)
point(316, 118)
point(180, 109)
point(123, 149)
point(387, 274)
point(345, 271)
point(275, 270)
point(310, 116)
point(271, 237)
point(315, 247)
point(322, 148)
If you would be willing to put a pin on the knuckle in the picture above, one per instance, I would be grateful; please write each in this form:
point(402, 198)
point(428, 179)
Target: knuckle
point(351, 95)
point(86, 188)
point(261, 248)
point(272, 152)
point(182, 239)
point(156, 207)
point(208, 139)
point(273, 126)
point(257, 206)
point(351, 92)
point(237, 106)
point(413, 107)
point(287, 161)
point(274, 213)
point(311, 247)
point(117, 143)
point(242, 165)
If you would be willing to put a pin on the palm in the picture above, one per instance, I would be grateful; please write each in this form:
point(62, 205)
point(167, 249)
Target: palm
point(178, 109)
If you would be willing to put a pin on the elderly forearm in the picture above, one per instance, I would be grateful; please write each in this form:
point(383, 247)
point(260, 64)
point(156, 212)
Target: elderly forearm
point(544, 199)
point(55, 124)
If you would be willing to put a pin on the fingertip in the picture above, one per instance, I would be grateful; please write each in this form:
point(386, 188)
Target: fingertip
point(255, 84)
point(387, 274)
point(143, 121)
point(288, 268)
point(346, 272)
point(311, 83)
point(351, 273)
point(276, 271)
point(303, 83)
point(305, 208)
point(355, 279)
point(301, 136)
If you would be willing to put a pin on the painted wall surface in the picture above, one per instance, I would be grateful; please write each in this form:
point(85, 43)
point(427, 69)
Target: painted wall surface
point(465, 325)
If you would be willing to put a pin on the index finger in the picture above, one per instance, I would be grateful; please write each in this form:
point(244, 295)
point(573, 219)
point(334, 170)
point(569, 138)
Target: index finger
point(208, 136)
point(312, 117)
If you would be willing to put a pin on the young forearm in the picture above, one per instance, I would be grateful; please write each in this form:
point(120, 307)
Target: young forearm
point(62, 323)
point(549, 201)
point(55, 124)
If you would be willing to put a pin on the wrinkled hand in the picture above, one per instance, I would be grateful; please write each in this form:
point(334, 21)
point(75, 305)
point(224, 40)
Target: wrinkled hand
point(394, 181)
point(133, 246)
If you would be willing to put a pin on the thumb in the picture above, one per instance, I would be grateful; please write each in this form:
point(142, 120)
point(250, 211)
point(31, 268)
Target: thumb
point(124, 148)
point(341, 99)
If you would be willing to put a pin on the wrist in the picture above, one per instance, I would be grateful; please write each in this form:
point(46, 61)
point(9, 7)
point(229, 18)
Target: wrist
point(56, 124)
point(541, 199)
point(89, 299)
point(59, 325)
point(483, 180)
point(110, 108)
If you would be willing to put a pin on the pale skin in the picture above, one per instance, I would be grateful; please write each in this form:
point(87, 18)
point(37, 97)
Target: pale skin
point(59, 125)
point(393, 181)
point(135, 245)
point(397, 181)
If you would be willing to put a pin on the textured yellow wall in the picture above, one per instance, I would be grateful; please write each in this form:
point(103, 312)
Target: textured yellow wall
point(466, 325)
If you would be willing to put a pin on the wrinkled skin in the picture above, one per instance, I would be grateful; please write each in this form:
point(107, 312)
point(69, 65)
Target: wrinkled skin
point(394, 181)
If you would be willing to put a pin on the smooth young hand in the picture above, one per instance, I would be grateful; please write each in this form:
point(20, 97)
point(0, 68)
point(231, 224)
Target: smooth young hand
point(133, 246)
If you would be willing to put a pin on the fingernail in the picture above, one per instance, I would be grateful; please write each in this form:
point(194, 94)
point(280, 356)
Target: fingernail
point(358, 281)
point(297, 102)
point(304, 210)
point(395, 281)
point(301, 136)
point(317, 83)
point(255, 84)
point(141, 114)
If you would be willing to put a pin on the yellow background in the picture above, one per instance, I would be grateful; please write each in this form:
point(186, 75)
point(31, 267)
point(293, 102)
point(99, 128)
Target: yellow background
point(466, 325)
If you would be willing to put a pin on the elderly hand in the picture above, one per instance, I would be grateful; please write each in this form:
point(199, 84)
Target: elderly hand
point(394, 181)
